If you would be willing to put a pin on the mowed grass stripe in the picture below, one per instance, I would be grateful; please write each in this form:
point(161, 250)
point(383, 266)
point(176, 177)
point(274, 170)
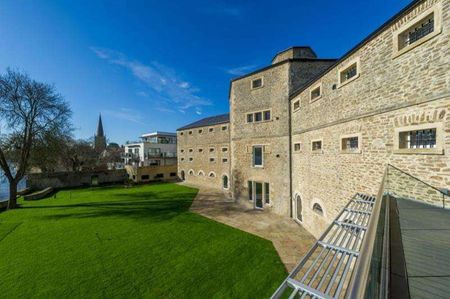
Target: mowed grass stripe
point(139, 242)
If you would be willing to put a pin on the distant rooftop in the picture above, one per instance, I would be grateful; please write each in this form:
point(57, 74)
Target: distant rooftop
point(208, 121)
point(158, 133)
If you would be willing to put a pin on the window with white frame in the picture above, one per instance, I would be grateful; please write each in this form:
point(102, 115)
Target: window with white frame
point(257, 83)
point(259, 116)
point(258, 155)
point(416, 32)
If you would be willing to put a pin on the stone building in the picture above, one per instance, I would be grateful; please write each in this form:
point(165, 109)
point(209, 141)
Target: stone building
point(204, 152)
point(306, 134)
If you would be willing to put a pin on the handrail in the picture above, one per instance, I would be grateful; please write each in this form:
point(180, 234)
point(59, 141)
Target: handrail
point(417, 179)
point(358, 283)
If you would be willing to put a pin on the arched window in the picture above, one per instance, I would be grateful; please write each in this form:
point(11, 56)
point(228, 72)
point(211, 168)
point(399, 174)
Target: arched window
point(201, 173)
point(318, 209)
point(225, 181)
point(183, 176)
point(298, 208)
point(191, 172)
point(212, 174)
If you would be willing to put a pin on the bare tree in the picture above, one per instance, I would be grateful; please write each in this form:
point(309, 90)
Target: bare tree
point(30, 112)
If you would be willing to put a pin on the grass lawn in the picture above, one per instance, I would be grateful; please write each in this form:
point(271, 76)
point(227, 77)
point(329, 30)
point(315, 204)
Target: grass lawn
point(137, 242)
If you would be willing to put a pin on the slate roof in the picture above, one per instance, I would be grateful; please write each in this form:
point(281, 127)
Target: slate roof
point(208, 121)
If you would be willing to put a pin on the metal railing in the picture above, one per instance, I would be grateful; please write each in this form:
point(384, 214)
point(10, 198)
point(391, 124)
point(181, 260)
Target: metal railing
point(371, 276)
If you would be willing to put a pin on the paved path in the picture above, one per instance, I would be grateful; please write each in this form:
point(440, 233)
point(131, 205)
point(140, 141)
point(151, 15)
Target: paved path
point(289, 238)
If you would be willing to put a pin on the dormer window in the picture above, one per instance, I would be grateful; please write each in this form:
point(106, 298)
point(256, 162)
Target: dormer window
point(257, 83)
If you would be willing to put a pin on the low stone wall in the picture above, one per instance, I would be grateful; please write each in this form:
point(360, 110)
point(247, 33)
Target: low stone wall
point(60, 180)
point(152, 173)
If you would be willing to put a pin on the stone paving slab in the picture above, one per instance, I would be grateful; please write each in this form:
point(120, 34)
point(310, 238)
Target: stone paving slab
point(289, 238)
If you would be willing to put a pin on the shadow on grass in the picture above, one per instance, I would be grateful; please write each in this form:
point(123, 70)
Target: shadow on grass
point(152, 206)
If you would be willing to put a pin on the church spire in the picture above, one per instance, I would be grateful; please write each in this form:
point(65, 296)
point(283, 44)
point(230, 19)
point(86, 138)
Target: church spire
point(100, 132)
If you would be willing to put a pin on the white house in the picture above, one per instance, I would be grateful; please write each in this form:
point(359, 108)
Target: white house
point(154, 149)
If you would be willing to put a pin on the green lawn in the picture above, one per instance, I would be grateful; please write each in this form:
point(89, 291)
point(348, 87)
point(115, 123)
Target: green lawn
point(137, 242)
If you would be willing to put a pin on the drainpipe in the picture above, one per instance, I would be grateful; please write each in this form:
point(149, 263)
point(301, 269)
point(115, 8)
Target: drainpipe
point(290, 144)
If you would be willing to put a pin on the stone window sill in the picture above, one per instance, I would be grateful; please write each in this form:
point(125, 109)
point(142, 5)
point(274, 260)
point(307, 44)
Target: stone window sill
point(419, 151)
point(317, 152)
point(349, 80)
point(315, 99)
point(358, 151)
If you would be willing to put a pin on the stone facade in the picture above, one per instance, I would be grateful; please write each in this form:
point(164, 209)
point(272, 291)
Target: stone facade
point(372, 95)
point(390, 92)
point(204, 155)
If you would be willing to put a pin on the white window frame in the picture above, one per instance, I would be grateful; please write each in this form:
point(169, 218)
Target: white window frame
point(254, 121)
point(350, 151)
point(321, 146)
point(314, 87)
point(437, 11)
point(262, 156)
point(345, 66)
point(228, 181)
point(262, 83)
point(438, 150)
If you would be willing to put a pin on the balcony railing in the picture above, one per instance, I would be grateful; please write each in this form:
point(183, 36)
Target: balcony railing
point(372, 270)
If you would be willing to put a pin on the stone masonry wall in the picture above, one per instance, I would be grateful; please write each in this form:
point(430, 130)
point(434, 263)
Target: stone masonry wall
point(205, 173)
point(390, 93)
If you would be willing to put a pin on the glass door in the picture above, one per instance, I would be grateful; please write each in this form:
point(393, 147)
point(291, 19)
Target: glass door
point(259, 203)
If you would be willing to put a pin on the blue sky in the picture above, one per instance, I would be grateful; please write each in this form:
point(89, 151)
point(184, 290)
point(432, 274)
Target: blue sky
point(157, 65)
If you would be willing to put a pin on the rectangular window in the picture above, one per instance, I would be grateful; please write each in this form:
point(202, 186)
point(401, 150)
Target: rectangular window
point(418, 139)
point(191, 150)
point(297, 147)
point(267, 115)
point(296, 105)
point(182, 133)
point(159, 176)
point(182, 159)
point(266, 193)
point(224, 149)
point(191, 159)
point(211, 150)
point(258, 156)
point(145, 177)
point(173, 174)
point(224, 160)
point(350, 144)
point(250, 117)
point(211, 130)
point(258, 116)
point(316, 93)
point(190, 132)
point(416, 32)
point(200, 150)
point(212, 160)
point(250, 190)
point(182, 150)
point(349, 73)
point(316, 145)
point(257, 83)
point(224, 128)
point(200, 131)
